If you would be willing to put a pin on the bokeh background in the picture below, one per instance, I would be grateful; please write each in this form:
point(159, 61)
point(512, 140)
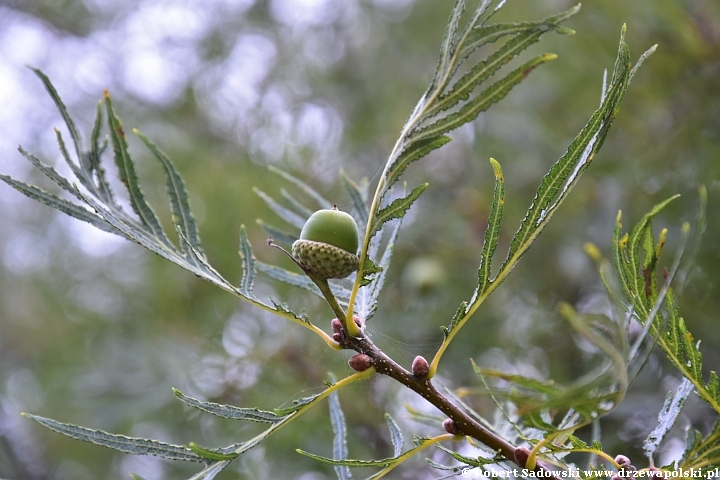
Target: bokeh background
point(94, 330)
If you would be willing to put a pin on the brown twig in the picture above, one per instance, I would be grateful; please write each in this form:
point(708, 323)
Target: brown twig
point(464, 423)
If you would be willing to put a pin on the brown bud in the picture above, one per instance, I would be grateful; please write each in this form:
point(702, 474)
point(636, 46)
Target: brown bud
point(360, 362)
point(357, 320)
point(420, 367)
point(337, 337)
point(336, 325)
point(521, 455)
point(623, 461)
point(450, 426)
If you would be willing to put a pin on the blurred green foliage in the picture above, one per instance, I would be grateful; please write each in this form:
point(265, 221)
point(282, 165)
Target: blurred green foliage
point(94, 330)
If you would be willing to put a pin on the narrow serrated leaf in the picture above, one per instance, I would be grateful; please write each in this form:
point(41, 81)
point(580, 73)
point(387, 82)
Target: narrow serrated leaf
point(635, 280)
point(104, 191)
point(348, 463)
point(50, 172)
point(667, 417)
point(566, 171)
point(229, 411)
point(447, 47)
point(179, 199)
point(298, 404)
point(492, 232)
point(65, 206)
point(397, 209)
point(484, 34)
point(79, 173)
point(286, 312)
point(304, 187)
point(481, 71)
point(74, 134)
point(248, 265)
point(135, 446)
point(395, 435)
point(278, 234)
point(210, 454)
point(576, 442)
point(545, 387)
point(137, 233)
point(457, 318)
point(340, 450)
point(367, 299)
point(126, 171)
point(474, 462)
point(211, 471)
point(301, 280)
point(493, 94)
point(414, 151)
point(439, 466)
point(296, 205)
point(285, 213)
point(359, 198)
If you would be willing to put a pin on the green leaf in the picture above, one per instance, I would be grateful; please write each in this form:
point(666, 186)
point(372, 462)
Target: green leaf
point(667, 417)
point(126, 171)
point(211, 471)
point(304, 187)
point(229, 411)
point(135, 446)
point(632, 269)
point(65, 206)
point(415, 151)
point(358, 195)
point(63, 110)
point(480, 72)
point(387, 463)
point(590, 396)
point(210, 454)
point(300, 318)
point(484, 34)
point(298, 404)
point(285, 213)
point(248, 265)
point(179, 199)
point(277, 234)
point(367, 299)
point(79, 173)
point(395, 435)
point(103, 191)
point(447, 47)
point(565, 173)
point(493, 94)
point(397, 209)
point(137, 233)
point(438, 466)
point(370, 268)
point(50, 172)
point(473, 462)
point(301, 280)
point(340, 450)
point(492, 233)
point(457, 318)
point(295, 204)
point(348, 463)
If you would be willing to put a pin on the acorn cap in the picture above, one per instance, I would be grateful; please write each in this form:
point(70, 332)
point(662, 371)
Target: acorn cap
point(325, 260)
point(328, 244)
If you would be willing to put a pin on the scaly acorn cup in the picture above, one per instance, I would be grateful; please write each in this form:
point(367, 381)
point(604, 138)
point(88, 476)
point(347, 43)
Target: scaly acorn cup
point(328, 244)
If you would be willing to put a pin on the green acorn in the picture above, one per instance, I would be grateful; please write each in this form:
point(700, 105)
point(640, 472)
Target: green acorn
point(328, 244)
